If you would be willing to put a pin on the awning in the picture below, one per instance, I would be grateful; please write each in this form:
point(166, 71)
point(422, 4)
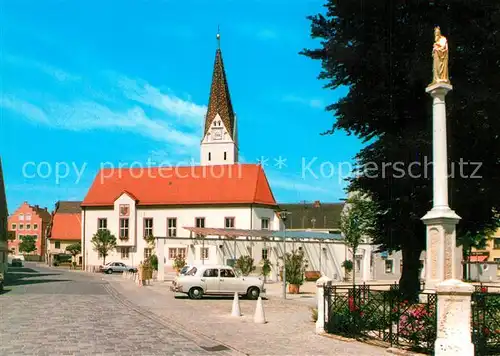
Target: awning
point(481, 258)
point(233, 233)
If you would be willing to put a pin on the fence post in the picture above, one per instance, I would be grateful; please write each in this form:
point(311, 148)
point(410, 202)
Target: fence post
point(320, 302)
point(454, 319)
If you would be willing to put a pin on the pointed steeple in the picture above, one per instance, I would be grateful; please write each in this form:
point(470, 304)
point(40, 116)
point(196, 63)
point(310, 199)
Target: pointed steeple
point(220, 100)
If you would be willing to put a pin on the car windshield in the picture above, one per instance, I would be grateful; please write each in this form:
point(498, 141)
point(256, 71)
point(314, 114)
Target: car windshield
point(191, 272)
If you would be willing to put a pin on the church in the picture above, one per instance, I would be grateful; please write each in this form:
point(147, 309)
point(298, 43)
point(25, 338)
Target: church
point(167, 202)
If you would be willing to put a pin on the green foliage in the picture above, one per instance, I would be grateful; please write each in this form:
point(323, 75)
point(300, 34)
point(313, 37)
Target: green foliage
point(179, 262)
point(347, 265)
point(295, 267)
point(28, 243)
point(266, 267)
point(151, 240)
point(381, 53)
point(74, 249)
point(358, 220)
point(103, 242)
point(154, 262)
point(245, 265)
point(314, 314)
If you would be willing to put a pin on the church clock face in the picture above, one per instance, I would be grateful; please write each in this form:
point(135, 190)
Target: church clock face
point(217, 133)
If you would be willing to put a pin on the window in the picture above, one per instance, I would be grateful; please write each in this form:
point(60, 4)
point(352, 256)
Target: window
point(225, 156)
point(14, 226)
point(147, 252)
point(58, 244)
point(265, 254)
point(209, 156)
point(21, 216)
point(148, 227)
point(125, 252)
point(174, 252)
point(27, 217)
point(102, 224)
point(496, 243)
point(389, 266)
point(213, 272)
point(227, 273)
point(35, 226)
point(497, 260)
point(204, 253)
point(200, 222)
point(28, 226)
point(124, 228)
point(21, 226)
point(172, 227)
point(229, 223)
point(264, 223)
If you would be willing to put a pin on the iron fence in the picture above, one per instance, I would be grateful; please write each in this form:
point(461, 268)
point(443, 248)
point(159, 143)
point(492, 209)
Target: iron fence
point(363, 312)
point(486, 322)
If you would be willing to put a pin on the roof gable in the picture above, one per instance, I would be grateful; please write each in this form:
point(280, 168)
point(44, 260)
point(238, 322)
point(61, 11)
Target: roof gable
point(192, 185)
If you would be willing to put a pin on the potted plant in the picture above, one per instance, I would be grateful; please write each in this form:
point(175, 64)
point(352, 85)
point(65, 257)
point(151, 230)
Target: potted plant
point(294, 268)
point(266, 268)
point(347, 265)
point(179, 262)
point(245, 265)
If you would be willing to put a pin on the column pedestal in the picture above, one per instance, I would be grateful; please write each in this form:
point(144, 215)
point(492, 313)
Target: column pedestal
point(442, 259)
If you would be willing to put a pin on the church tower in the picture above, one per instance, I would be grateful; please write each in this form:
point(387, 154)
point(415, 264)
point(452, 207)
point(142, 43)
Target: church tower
point(220, 142)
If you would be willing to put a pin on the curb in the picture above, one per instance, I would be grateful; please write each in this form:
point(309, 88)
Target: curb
point(401, 352)
point(201, 340)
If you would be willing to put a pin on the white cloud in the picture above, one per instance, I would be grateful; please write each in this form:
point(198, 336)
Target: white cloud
point(313, 103)
point(90, 115)
point(189, 113)
point(54, 72)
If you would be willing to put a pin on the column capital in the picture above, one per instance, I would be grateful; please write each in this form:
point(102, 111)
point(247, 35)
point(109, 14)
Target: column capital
point(440, 215)
point(439, 89)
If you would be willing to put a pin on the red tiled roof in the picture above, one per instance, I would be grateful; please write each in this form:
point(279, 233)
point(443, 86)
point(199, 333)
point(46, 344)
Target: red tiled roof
point(66, 227)
point(224, 184)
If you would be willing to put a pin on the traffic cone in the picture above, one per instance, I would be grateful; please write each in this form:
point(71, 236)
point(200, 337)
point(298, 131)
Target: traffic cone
point(259, 316)
point(236, 306)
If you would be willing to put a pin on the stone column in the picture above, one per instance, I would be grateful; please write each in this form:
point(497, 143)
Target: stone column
point(441, 254)
point(160, 253)
point(454, 319)
point(320, 302)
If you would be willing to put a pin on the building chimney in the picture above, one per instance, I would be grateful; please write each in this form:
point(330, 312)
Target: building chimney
point(316, 204)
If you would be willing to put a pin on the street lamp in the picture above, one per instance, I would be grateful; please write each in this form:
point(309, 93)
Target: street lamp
point(283, 216)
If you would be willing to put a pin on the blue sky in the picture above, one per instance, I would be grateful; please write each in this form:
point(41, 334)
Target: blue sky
point(126, 81)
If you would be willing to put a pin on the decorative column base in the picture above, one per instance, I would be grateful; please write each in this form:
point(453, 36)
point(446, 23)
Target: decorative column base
point(320, 303)
point(443, 258)
point(454, 319)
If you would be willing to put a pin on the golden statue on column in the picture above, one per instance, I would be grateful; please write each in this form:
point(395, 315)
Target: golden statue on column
point(440, 56)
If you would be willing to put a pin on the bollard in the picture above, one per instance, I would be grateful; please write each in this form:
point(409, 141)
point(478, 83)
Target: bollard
point(259, 316)
point(236, 306)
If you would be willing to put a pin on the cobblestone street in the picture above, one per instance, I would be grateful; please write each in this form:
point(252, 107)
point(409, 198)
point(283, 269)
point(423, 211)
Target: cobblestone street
point(50, 312)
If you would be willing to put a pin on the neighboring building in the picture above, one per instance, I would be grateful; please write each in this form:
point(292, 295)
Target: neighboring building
point(65, 229)
point(29, 220)
point(317, 216)
point(481, 260)
point(3, 224)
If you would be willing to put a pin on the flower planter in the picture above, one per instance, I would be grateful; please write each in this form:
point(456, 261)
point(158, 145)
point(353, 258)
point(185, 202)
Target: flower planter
point(293, 288)
point(312, 275)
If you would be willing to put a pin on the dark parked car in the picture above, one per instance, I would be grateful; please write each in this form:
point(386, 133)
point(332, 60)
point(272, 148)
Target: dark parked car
point(17, 262)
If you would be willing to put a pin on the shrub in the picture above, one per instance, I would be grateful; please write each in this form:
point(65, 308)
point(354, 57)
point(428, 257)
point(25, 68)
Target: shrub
point(154, 262)
point(179, 262)
point(245, 265)
point(295, 267)
point(314, 314)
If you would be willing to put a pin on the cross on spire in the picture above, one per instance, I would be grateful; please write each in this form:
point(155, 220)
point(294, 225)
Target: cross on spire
point(218, 36)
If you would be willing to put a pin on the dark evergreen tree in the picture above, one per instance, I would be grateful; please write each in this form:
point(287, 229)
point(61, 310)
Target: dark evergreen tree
point(382, 51)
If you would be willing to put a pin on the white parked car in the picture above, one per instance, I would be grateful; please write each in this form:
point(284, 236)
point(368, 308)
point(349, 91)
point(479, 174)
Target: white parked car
point(217, 280)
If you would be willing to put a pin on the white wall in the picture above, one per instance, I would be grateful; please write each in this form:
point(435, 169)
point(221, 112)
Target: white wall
point(217, 147)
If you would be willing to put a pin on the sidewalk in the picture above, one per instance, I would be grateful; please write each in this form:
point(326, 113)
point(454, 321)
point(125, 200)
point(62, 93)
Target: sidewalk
point(289, 330)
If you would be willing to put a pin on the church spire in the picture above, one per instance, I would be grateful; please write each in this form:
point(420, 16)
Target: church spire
point(219, 101)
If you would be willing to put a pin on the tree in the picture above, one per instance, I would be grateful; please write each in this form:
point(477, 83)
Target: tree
point(74, 249)
point(245, 264)
point(381, 52)
point(28, 243)
point(358, 222)
point(104, 242)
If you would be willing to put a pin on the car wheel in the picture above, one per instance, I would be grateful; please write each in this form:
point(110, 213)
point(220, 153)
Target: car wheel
point(109, 271)
point(253, 293)
point(195, 293)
